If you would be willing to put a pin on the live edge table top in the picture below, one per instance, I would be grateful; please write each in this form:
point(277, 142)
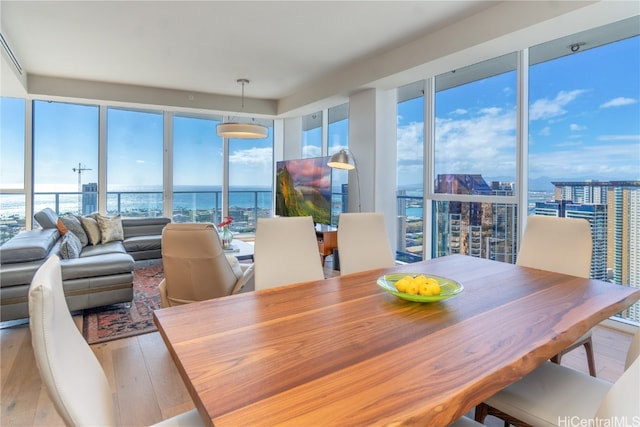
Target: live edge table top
point(342, 351)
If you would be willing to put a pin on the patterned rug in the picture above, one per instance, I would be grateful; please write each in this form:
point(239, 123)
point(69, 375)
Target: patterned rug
point(119, 321)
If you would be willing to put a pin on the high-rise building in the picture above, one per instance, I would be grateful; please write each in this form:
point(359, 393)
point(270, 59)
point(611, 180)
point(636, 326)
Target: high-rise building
point(597, 217)
point(487, 230)
point(89, 198)
point(634, 237)
point(616, 242)
point(585, 192)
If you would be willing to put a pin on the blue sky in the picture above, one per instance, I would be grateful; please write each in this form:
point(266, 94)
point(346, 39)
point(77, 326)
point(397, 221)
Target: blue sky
point(584, 124)
point(584, 121)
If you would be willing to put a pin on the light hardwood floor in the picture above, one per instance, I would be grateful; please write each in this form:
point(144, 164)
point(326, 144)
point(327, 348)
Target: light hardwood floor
point(147, 387)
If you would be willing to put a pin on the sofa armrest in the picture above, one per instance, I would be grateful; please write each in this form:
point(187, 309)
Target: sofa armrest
point(32, 245)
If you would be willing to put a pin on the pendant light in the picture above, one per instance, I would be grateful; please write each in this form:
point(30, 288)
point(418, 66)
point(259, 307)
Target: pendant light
point(241, 130)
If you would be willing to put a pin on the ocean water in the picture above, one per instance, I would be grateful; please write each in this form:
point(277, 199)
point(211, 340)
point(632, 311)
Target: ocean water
point(139, 200)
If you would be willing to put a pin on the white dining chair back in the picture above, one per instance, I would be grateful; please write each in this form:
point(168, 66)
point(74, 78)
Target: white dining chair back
point(634, 349)
point(69, 369)
point(363, 243)
point(622, 402)
point(286, 252)
point(562, 245)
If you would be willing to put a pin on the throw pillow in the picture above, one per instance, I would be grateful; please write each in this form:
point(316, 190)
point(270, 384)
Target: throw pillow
point(61, 227)
point(90, 226)
point(70, 246)
point(110, 228)
point(47, 218)
point(72, 223)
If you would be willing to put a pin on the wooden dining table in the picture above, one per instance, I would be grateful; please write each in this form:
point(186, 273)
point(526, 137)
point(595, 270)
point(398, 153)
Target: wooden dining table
point(344, 352)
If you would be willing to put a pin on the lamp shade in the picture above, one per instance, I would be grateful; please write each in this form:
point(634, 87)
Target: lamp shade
point(340, 160)
point(241, 130)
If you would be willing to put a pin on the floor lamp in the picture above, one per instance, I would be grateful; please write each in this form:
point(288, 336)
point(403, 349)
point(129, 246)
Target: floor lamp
point(340, 160)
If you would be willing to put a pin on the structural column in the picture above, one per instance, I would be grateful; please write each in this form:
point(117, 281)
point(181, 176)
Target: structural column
point(372, 140)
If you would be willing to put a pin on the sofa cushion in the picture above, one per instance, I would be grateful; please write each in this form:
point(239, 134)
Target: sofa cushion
point(47, 218)
point(107, 248)
point(143, 243)
point(29, 245)
point(70, 246)
point(92, 229)
point(96, 266)
point(110, 228)
point(143, 226)
point(72, 223)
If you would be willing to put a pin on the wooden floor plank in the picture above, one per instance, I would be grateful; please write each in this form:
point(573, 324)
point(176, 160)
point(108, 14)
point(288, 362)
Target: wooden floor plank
point(21, 389)
point(46, 414)
point(171, 394)
point(136, 399)
point(11, 340)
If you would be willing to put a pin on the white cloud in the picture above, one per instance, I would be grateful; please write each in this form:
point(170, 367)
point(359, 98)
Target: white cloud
point(410, 153)
point(610, 161)
point(568, 144)
point(576, 127)
point(459, 111)
point(251, 157)
point(546, 108)
point(491, 111)
point(545, 131)
point(410, 142)
point(619, 138)
point(484, 144)
point(311, 151)
point(618, 102)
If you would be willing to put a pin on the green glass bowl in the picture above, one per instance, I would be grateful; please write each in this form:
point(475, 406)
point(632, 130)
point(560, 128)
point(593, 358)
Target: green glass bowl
point(448, 287)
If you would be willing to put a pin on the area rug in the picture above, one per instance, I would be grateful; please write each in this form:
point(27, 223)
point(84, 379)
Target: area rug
point(120, 321)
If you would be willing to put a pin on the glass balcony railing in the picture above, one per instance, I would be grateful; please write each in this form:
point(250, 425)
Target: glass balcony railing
point(455, 230)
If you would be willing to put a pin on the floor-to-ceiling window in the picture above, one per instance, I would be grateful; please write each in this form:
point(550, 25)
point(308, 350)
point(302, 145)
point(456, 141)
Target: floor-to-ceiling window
point(410, 172)
point(312, 135)
point(197, 170)
point(475, 161)
point(250, 180)
point(584, 143)
point(134, 162)
point(338, 139)
point(65, 157)
point(12, 186)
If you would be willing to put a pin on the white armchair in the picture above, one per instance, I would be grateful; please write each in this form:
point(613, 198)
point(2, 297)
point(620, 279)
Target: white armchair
point(196, 267)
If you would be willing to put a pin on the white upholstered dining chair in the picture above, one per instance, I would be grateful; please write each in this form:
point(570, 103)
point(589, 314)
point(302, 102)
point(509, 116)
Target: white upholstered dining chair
point(196, 268)
point(562, 245)
point(363, 243)
point(286, 252)
point(69, 370)
point(553, 395)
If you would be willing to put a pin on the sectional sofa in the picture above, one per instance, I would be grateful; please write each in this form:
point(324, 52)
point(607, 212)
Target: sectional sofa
point(97, 267)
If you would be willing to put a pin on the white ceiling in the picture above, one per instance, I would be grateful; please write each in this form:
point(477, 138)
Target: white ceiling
point(203, 47)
